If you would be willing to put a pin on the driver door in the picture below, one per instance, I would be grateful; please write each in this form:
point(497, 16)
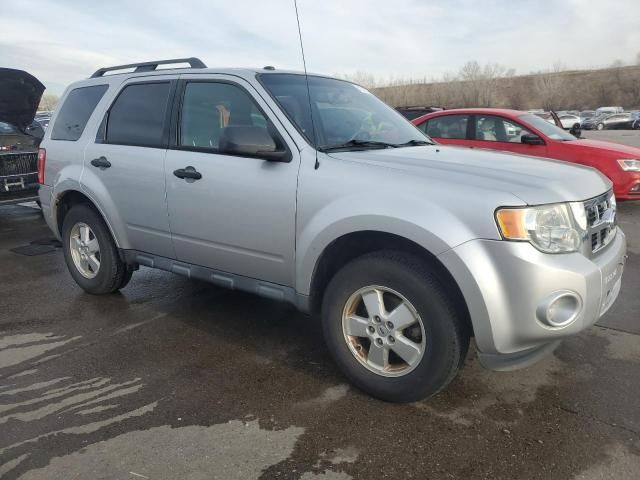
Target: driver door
point(239, 217)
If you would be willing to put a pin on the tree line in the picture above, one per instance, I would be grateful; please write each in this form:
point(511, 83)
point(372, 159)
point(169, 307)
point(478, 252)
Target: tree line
point(493, 85)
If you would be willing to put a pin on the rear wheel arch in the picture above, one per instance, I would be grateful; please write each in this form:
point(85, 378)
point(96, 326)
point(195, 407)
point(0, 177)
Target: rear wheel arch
point(356, 244)
point(67, 199)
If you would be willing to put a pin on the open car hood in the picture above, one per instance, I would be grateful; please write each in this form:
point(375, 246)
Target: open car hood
point(20, 94)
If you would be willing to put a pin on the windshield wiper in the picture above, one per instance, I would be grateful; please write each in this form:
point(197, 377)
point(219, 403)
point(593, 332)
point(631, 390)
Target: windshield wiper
point(357, 143)
point(414, 143)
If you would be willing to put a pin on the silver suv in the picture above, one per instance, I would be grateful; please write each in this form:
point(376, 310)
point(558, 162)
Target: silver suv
point(312, 191)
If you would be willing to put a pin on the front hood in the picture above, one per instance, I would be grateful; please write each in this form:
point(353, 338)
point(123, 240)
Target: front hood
point(531, 179)
point(621, 151)
point(20, 95)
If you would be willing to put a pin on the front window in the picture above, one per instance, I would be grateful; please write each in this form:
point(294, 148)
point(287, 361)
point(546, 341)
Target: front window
point(498, 129)
point(547, 129)
point(345, 115)
point(209, 107)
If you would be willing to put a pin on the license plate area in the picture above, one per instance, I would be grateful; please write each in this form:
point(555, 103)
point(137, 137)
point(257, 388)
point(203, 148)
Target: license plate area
point(12, 184)
point(611, 283)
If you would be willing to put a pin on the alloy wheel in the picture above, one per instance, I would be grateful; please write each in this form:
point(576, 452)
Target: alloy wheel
point(383, 331)
point(85, 250)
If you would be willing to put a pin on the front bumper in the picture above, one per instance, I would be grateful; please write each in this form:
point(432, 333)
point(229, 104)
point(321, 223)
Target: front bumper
point(505, 283)
point(626, 185)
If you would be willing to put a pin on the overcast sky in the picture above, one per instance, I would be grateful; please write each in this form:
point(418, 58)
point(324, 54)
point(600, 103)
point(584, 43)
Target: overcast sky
point(60, 41)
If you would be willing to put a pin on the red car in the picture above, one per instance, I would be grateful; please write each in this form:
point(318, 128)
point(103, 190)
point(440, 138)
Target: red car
point(528, 134)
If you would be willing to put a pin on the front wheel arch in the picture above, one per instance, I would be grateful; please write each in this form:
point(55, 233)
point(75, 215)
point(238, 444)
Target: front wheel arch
point(356, 244)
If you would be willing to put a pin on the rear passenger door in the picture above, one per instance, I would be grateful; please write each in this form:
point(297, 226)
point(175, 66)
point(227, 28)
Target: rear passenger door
point(125, 165)
point(239, 217)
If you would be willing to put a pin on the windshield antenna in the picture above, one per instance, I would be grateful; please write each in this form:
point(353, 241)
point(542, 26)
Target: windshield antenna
point(306, 78)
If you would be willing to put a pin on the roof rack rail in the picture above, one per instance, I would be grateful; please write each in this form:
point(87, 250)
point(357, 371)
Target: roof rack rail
point(150, 66)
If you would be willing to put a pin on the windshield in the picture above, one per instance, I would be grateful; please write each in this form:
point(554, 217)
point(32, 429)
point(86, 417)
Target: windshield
point(548, 129)
point(345, 115)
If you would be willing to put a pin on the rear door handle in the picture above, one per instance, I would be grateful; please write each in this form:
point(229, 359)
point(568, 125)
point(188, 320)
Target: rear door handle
point(101, 162)
point(188, 172)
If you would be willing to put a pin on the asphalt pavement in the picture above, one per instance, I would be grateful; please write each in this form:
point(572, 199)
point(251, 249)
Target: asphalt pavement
point(177, 379)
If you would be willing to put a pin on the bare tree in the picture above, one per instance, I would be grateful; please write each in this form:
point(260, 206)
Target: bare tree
point(48, 102)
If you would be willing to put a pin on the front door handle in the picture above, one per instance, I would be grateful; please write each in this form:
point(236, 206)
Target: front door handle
point(101, 162)
point(188, 172)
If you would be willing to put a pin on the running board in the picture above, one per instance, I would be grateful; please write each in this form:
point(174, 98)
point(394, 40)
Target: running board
point(217, 277)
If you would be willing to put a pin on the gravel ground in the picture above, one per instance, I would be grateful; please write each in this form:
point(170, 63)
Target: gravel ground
point(177, 379)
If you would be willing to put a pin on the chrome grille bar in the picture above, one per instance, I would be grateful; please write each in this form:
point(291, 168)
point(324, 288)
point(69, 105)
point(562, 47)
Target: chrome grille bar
point(601, 221)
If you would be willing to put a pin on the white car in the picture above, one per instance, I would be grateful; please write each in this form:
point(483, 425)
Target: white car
point(569, 121)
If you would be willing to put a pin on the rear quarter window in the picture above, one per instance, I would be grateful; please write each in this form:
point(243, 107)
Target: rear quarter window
point(76, 111)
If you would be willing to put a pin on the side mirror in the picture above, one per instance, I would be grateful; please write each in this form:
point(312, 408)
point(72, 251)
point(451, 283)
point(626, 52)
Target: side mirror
point(250, 141)
point(531, 139)
point(576, 131)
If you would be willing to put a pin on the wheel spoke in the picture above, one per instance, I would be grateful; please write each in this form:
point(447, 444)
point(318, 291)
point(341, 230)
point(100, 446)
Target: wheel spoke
point(402, 317)
point(84, 264)
point(406, 349)
point(355, 326)
point(374, 302)
point(378, 357)
point(84, 234)
point(93, 262)
point(93, 245)
point(76, 242)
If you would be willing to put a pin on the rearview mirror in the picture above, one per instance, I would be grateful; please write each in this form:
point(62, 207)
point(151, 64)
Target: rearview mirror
point(531, 139)
point(250, 141)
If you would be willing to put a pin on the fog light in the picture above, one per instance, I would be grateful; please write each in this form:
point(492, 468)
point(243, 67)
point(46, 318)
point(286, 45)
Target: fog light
point(560, 309)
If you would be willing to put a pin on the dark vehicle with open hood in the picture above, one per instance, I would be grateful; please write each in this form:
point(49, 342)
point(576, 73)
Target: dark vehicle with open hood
point(20, 136)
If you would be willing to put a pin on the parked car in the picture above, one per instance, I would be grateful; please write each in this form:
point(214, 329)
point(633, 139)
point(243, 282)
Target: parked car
point(636, 120)
point(618, 121)
point(20, 94)
point(488, 128)
point(416, 111)
point(569, 121)
point(609, 110)
point(586, 114)
point(405, 248)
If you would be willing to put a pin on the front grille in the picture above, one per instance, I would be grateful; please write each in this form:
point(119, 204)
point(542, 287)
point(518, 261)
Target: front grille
point(601, 220)
point(18, 163)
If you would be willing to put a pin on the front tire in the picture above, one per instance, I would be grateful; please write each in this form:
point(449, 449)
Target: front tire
point(391, 327)
point(91, 254)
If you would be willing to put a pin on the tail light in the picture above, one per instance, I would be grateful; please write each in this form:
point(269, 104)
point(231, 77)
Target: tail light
point(42, 160)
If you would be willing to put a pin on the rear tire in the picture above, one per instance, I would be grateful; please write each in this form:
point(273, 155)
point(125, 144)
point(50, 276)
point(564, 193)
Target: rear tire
point(91, 254)
point(600, 126)
point(442, 339)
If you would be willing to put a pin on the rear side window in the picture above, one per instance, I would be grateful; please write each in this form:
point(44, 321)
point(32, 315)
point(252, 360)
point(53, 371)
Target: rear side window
point(75, 112)
point(448, 126)
point(138, 115)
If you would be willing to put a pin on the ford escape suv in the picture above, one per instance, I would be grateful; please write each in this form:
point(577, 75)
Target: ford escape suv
point(312, 191)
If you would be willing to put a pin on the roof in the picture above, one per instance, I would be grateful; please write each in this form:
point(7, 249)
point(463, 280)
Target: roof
point(471, 111)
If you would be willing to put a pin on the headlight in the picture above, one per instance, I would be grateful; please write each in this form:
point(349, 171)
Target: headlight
point(555, 228)
point(629, 165)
